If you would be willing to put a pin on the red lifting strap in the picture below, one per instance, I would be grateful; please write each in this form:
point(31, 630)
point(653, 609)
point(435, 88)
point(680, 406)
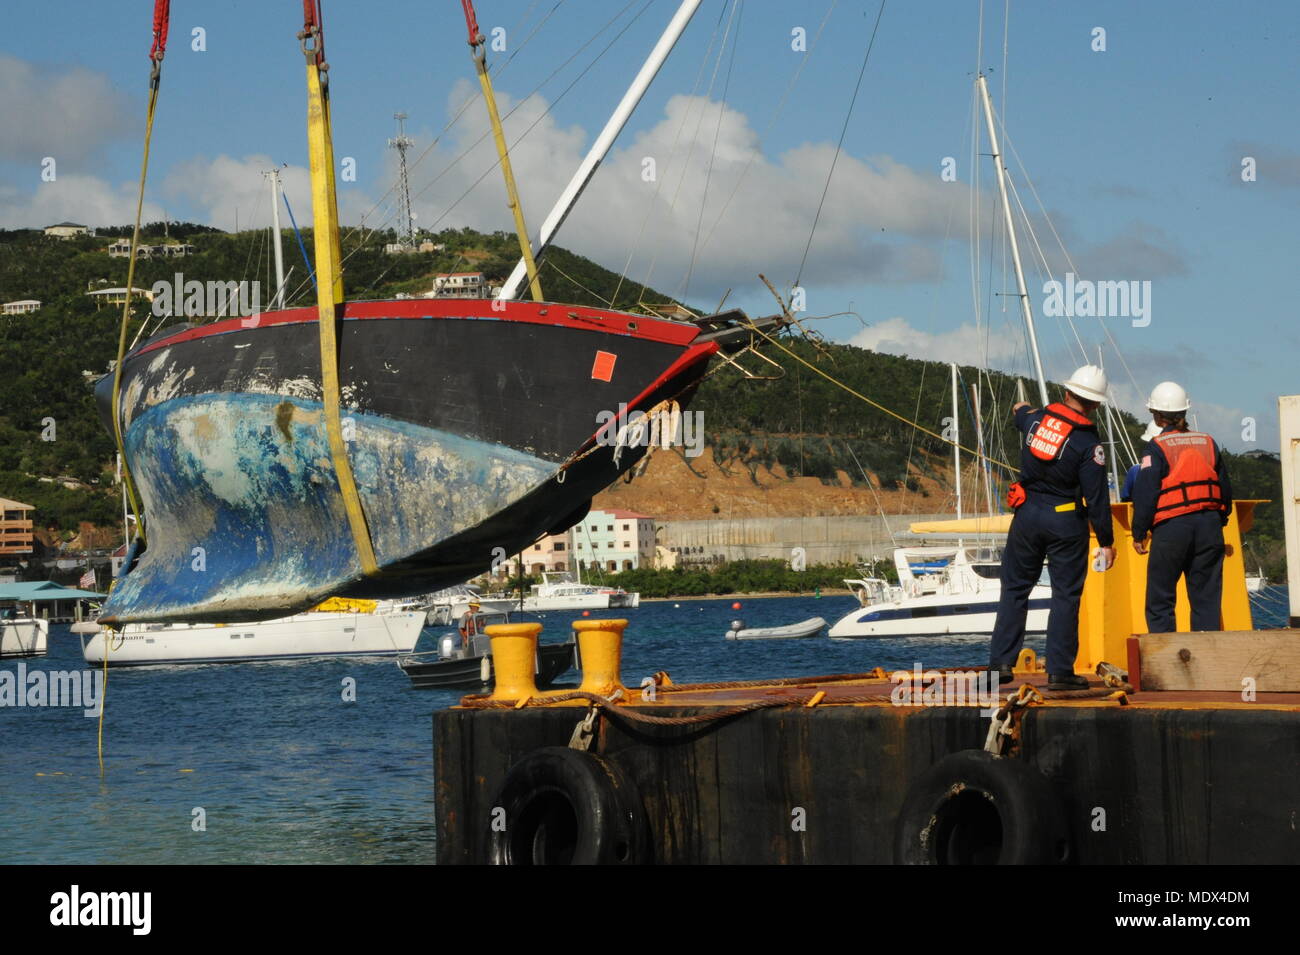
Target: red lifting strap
point(161, 18)
point(471, 21)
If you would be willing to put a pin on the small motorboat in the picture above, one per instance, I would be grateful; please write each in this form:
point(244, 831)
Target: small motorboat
point(791, 631)
point(463, 658)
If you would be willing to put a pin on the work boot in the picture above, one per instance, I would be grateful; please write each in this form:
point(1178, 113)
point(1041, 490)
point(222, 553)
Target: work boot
point(1005, 673)
point(1066, 681)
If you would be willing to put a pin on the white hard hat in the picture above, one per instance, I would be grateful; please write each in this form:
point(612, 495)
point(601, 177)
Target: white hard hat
point(1088, 382)
point(1152, 430)
point(1168, 396)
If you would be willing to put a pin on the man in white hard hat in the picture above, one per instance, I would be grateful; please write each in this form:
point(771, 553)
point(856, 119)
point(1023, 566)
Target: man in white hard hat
point(1062, 489)
point(1182, 498)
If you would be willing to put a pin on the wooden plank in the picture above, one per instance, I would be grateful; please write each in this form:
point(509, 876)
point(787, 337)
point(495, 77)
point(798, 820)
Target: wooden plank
point(1221, 660)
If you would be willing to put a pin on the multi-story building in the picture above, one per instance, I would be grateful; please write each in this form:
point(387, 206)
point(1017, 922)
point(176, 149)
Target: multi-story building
point(615, 540)
point(457, 285)
point(15, 527)
point(553, 552)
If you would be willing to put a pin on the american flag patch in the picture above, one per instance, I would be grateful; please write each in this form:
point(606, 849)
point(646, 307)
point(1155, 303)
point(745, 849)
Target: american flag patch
point(1146, 460)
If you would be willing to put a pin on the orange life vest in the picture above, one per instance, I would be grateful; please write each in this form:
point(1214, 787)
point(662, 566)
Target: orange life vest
point(1046, 440)
point(1192, 484)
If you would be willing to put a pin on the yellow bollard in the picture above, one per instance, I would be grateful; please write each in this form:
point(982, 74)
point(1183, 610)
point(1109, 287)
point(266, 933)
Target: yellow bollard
point(600, 646)
point(514, 659)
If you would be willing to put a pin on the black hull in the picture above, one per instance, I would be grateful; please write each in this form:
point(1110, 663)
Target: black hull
point(473, 431)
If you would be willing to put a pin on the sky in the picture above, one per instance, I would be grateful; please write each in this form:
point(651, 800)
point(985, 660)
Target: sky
point(1150, 144)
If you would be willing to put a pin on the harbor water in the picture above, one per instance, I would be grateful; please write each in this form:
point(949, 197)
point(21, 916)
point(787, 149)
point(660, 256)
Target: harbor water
point(268, 763)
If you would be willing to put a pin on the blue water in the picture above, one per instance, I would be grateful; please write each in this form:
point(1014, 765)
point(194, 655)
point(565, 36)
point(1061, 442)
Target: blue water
point(285, 771)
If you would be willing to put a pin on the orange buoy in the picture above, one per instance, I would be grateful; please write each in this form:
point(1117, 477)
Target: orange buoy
point(736, 605)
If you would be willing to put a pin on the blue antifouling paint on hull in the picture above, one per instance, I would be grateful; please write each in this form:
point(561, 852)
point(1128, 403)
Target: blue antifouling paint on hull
point(244, 511)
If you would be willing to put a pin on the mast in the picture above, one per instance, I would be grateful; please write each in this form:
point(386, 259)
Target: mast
point(1011, 238)
point(956, 441)
point(555, 218)
point(979, 446)
point(277, 300)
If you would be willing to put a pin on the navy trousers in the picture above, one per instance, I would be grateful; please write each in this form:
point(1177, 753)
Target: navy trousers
point(1190, 545)
point(1039, 532)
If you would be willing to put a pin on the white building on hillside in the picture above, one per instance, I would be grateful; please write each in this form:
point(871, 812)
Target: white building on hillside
point(21, 307)
point(457, 285)
point(67, 230)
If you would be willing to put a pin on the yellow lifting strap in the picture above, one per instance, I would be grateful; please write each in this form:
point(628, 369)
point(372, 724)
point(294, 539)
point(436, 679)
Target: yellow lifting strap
point(329, 295)
point(479, 54)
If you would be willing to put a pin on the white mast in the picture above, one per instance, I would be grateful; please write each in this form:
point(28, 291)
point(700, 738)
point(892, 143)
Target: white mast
point(1011, 238)
point(277, 301)
point(956, 441)
point(979, 437)
point(600, 147)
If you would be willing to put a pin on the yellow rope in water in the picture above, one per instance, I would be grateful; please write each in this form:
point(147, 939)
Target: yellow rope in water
point(329, 294)
point(103, 698)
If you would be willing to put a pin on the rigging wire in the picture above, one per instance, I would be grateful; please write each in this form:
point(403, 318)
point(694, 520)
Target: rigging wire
point(370, 231)
point(875, 404)
point(695, 135)
point(840, 145)
point(780, 107)
point(545, 112)
point(737, 7)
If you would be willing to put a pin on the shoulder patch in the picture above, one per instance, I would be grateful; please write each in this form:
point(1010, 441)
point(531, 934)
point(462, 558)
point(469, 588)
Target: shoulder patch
point(1099, 455)
point(1146, 460)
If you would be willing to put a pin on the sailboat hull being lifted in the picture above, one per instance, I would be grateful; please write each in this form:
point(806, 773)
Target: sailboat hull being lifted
point(471, 427)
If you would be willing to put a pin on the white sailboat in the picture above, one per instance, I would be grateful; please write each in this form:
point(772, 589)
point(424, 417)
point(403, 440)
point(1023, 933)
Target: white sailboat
point(365, 628)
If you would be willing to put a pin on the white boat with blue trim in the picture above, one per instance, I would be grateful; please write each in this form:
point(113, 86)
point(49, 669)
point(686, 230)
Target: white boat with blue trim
point(940, 590)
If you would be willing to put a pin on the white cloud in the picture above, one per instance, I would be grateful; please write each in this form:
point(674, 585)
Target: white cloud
point(67, 113)
point(965, 344)
point(230, 189)
point(876, 218)
point(78, 198)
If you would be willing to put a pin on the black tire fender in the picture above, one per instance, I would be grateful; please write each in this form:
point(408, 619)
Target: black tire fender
point(564, 806)
point(974, 808)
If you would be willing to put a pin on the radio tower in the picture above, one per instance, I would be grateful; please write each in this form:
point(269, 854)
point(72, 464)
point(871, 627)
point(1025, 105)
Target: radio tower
point(405, 220)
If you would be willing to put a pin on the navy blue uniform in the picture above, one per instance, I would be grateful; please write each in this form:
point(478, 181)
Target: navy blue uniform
point(1189, 544)
point(1062, 497)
